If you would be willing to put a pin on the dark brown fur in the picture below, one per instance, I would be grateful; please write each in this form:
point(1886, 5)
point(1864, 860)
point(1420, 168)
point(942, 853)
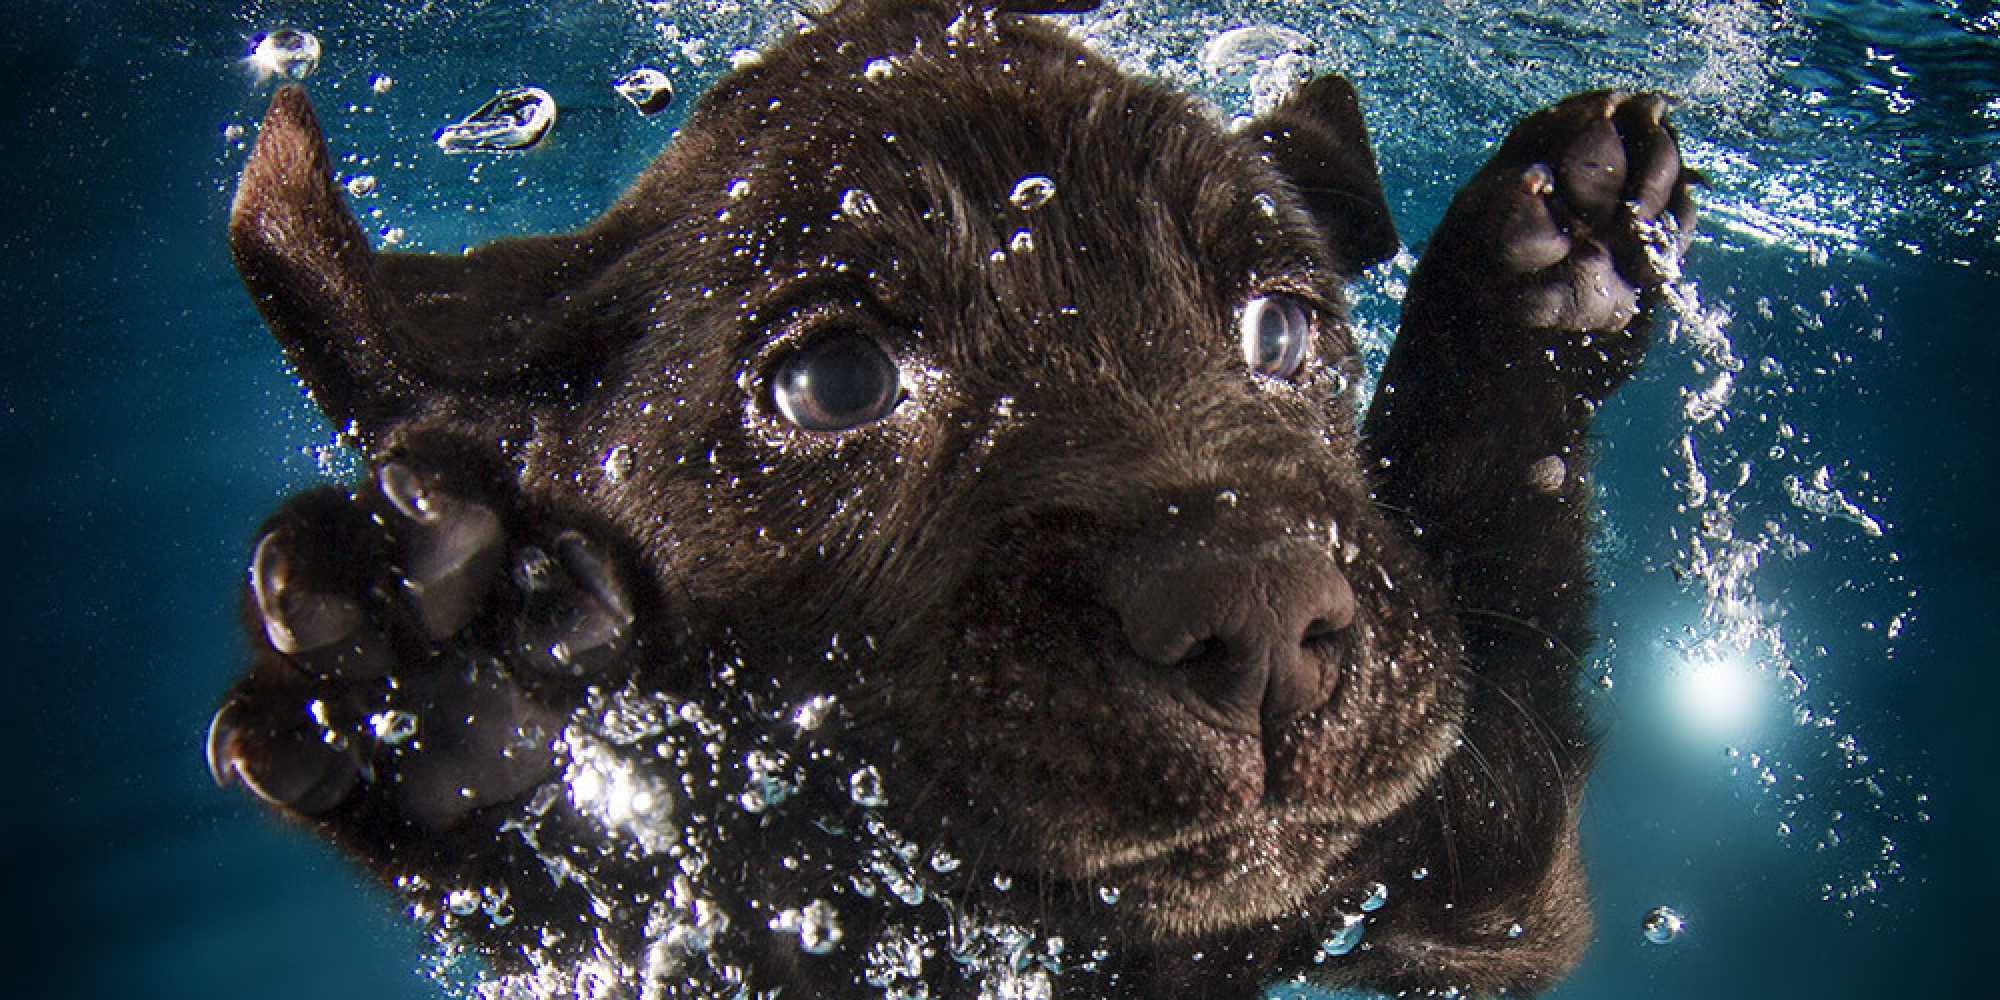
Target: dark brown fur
point(1370, 631)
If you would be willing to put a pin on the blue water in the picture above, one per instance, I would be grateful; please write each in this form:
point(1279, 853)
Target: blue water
point(1850, 266)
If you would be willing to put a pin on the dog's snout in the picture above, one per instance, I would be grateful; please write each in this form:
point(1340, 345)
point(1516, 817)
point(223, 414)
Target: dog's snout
point(1249, 636)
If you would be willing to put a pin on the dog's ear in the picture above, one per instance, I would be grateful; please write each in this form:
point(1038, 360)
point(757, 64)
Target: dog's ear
point(1318, 140)
point(373, 335)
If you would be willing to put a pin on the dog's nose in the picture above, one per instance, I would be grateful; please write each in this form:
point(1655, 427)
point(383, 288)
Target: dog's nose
point(1250, 637)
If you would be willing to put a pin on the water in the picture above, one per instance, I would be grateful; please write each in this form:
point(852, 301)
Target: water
point(1798, 560)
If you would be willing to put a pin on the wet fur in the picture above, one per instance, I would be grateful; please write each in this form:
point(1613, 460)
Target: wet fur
point(1079, 421)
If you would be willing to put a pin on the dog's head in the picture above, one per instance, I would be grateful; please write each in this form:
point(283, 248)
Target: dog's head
point(955, 373)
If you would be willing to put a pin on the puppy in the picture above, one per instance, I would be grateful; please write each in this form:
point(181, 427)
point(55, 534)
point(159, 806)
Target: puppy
point(920, 540)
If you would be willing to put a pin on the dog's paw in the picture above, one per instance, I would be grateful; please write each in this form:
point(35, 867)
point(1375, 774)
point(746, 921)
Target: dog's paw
point(412, 648)
point(1580, 216)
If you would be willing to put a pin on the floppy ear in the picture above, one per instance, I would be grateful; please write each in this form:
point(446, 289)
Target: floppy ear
point(1318, 140)
point(375, 336)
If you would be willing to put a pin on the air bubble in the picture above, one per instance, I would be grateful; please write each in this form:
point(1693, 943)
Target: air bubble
point(286, 54)
point(854, 202)
point(1345, 936)
point(1264, 61)
point(513, 120)
point(361, 185)
point(1373, 896)
point(618, 464)
point(816, 924)
point(878, 70)
point(1031, 192)
point(393, 727)
point(813, 712)
point(646, 88)
point(1662, 925)
point(1108, 894)
point(865, 788)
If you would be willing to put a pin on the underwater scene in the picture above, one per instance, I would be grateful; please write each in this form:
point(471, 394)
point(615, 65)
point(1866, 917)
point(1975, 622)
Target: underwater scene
point(1795, 548)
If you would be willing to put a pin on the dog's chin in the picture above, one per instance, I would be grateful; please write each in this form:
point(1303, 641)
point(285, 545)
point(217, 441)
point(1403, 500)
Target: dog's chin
point(1258, 868)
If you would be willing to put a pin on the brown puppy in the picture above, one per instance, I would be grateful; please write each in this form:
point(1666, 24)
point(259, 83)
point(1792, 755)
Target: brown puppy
point(920, 541)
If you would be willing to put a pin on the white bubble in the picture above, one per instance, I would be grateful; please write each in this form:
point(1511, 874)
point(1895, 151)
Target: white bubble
point(393, 727)
point(1032, 192)
point(617, 464)
point(513, 120)
point(816, 924)
point(1108, 894)
point(1662, 925)
point(855, 202)
point(287, 54)
point(878, 69)
point(865, 788)
point(646, 88)
point(1264, 61)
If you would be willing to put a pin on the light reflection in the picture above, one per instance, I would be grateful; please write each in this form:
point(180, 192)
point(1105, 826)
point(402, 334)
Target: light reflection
point(1719, 695)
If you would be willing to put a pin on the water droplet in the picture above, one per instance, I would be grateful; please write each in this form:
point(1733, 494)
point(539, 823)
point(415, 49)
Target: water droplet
point(745, 58)
point(393, 727)
point(738, 189)
point(878, 69)
point(855, 202)
point(380, 82)
point(462, 901)
point(647, 88)
point(865, 788)
point(513, 120)
point(1108, 894)
point(1420, 874)
point(361, 185)
point(1373, 895)
point(287, 54)
point(1662, 925)
point(1022, 242)
point(1515, 930)
point(942, 862)
point(1003, 882)
point(1032, 192)
point(1266, 204)
point(1345, 934)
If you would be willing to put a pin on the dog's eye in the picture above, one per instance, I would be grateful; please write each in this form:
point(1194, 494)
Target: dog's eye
point(1277, 331)
point(842, 381)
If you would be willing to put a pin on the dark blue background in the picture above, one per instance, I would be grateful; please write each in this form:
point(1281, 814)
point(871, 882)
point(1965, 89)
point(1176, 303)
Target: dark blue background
point(147, 423)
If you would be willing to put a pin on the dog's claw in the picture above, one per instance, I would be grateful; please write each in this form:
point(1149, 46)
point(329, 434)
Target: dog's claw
point(294, 764)
point(325, 634)
point(394, 652)
point(452, 550)
point(578, 616)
